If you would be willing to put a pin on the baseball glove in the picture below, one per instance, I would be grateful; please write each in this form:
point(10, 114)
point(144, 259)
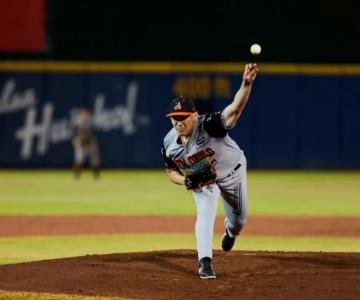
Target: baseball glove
point(201, 174)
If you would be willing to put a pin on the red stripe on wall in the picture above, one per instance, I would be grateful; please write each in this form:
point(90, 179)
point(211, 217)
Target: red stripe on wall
point(22, 25)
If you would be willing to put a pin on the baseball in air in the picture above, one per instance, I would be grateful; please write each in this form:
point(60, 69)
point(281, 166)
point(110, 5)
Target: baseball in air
point(255, 49)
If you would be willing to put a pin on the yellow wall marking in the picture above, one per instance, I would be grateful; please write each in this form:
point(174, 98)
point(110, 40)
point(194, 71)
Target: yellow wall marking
point(168, 67)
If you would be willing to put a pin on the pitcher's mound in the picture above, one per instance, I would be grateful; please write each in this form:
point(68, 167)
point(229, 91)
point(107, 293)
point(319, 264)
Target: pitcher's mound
point(173, 275)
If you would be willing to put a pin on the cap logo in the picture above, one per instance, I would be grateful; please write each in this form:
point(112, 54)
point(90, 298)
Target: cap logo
point(178, 106)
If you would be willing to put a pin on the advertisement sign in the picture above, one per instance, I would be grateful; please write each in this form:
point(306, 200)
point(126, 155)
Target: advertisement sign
point(290, 121)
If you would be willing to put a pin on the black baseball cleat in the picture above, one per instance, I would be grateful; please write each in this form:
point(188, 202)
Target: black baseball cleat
point(227, 241)
point(206, 269)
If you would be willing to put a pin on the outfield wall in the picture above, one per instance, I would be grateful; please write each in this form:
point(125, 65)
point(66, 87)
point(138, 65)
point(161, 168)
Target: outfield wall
point(299, 116)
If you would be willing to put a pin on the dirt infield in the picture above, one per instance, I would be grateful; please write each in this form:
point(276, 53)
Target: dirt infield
point(172, 275)
point(257, 225)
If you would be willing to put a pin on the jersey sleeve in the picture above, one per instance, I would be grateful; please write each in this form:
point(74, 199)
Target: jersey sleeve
point(169, 164)
point(214, 124)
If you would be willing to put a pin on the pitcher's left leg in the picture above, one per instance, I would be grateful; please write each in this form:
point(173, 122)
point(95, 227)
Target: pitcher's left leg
point(235, 201)
point(236, 211)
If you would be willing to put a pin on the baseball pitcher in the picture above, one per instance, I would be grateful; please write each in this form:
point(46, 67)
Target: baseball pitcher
point(199, 154)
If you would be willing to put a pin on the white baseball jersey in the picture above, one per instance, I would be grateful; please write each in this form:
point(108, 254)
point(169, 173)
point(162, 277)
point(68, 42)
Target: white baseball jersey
point(208, 139)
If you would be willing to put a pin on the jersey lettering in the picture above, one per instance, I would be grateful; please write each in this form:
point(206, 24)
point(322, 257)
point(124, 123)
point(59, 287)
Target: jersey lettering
point(193, 159)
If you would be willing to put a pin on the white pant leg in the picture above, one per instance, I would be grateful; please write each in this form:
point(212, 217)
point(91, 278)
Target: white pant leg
point(235, 219)
point(235, 201)
point(206, 205)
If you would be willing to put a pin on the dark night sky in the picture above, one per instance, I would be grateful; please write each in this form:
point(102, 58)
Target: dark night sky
point(288, 31)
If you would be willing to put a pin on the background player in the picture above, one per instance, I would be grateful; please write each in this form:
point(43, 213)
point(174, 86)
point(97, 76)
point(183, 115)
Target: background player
point(85, 144)
point(199, 154)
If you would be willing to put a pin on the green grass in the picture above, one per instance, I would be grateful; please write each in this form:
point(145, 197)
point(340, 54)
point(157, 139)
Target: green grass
point(305, 193)
point(118, 192)
point(15, 250)
point(150, 192)
point(37, 248)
